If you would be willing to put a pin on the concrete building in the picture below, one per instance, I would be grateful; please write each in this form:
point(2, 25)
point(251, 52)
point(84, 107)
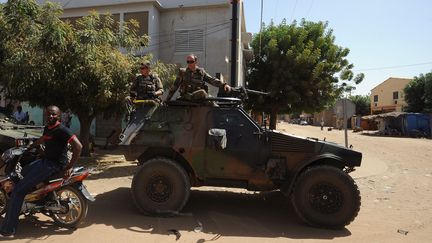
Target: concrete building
point(176, 28)
point(389, 95)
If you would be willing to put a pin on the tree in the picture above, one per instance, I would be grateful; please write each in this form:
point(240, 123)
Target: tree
point(298, 64)
point(362, 103)
point(418, 94)
point(86, 67)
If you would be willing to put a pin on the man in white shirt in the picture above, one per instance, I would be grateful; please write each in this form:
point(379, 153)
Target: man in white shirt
point(20, 115)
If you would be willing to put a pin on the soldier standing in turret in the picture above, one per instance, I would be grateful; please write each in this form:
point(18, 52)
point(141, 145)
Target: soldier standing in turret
point(192, 82)
point(144, 99)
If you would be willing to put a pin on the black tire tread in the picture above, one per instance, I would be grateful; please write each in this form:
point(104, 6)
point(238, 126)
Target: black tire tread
point(354, 188)
point(148, 164)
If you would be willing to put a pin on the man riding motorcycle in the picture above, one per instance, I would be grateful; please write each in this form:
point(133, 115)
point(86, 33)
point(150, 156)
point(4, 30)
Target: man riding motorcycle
point(56, 138)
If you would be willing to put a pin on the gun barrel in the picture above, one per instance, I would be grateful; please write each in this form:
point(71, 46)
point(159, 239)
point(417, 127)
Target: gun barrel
point(251, 91)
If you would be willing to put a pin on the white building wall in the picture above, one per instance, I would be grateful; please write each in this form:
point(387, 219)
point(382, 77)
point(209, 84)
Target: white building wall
point(216, 24)
point(154, 33)
point(166, 16)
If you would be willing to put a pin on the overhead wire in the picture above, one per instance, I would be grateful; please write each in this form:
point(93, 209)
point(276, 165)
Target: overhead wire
point(261, 26)
point(310, 8)
point(392, 67)
point(213, 30)
point(164, 33)
point(294, 9)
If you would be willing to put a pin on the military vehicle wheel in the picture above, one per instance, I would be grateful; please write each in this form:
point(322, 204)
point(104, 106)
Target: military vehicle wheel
point(326, 196)
point(160, 187)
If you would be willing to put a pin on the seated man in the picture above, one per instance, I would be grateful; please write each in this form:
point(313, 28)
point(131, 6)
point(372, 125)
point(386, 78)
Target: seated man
point(56, 138)
point(146, 87)
point(19, 115)
point(192, 82)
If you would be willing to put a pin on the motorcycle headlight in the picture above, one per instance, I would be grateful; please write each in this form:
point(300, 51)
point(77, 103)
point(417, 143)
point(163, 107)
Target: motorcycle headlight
point(7, 155)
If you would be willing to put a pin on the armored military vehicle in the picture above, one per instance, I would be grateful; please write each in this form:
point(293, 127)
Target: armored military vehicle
point(11, 132)
point(184, 145)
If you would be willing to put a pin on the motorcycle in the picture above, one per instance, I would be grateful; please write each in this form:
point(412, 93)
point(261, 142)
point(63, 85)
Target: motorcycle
point(65, 200)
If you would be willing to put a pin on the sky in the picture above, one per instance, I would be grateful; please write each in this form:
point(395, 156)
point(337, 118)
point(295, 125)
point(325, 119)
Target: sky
point(386, 38)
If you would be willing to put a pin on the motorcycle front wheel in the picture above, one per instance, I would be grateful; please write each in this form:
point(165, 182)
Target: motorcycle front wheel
point(76, 207)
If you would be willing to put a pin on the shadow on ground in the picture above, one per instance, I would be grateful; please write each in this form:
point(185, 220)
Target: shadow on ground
point(221, 213)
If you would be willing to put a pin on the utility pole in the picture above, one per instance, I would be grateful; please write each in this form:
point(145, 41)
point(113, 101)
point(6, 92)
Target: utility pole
point(345, 118)
point(234, 37)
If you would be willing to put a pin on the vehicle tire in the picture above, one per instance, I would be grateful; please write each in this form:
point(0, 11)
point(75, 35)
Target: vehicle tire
point(160, 187)
point(4, 199)
point(326, 196)
point(76, 204)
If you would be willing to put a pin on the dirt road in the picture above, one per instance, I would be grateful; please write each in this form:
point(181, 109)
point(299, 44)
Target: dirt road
point(395, 183)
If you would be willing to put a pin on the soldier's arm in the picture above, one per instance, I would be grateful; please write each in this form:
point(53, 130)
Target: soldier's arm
point(133, 90)
point(159, 87)
point(216, 82)
point(174, 88)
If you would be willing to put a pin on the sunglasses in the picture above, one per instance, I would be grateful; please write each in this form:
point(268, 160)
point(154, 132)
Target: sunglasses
point(142, 68)
point(190, 61)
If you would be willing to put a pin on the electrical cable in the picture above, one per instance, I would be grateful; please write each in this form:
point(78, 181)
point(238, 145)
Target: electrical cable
point(391, 67)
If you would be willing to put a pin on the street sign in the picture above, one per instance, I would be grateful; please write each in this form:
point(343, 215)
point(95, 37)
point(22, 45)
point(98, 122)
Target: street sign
point(350, 108)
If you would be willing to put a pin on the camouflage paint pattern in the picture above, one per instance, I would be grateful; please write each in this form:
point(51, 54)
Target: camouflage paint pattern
point(253, 158)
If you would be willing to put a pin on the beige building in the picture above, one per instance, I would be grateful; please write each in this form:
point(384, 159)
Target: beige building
point(389, 95)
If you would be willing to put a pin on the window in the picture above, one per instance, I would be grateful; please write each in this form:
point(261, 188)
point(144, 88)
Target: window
point(141, 18)
point(395, 102)
point(73, 20)
point(189, 40)
point(375, 98)
point(395, 95)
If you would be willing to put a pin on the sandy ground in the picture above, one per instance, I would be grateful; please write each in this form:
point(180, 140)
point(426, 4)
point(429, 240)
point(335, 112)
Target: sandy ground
point(395, 183)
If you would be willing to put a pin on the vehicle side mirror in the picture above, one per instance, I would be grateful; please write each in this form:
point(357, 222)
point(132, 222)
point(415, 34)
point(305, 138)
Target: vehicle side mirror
point(217, 138)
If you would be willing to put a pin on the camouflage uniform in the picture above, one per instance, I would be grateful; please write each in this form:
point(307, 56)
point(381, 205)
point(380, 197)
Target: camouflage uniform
point(192, 84)
point(144, 88)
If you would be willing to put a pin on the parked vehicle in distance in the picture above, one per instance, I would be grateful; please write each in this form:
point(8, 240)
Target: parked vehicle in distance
point(303, 123)
point(184, 145)
point(11, 132)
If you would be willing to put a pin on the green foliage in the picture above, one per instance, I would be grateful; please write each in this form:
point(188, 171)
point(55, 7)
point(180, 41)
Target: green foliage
point(87, 67)
point(167, 73)
point(300, 65)
point(418, 94)
point(362, 103)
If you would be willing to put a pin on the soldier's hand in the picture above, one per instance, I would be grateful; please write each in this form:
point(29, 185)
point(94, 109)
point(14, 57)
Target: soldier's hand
point(227, 88)
point(68, 173)
point(133, 94)
point(151, 95)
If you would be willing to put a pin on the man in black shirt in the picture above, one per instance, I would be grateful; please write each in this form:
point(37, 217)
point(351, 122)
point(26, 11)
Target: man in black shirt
point(56, 138)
